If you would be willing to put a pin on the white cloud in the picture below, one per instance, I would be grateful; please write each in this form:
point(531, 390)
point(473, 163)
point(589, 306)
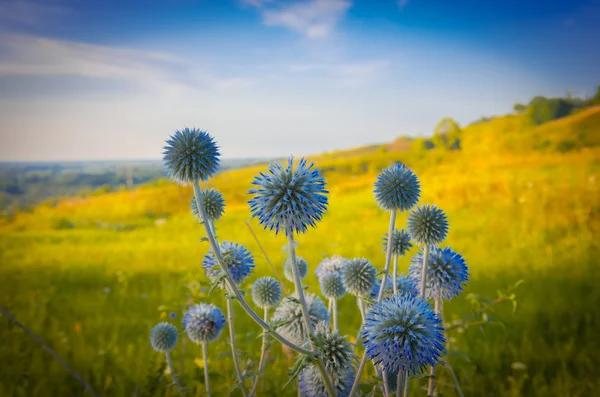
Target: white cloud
point(313, 18)
point(347, 74)
point(38, 56)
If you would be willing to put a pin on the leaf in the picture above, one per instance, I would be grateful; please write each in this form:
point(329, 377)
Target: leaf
point(292, 299)
point(302, 362)
point(203, 239)
point(280, 323)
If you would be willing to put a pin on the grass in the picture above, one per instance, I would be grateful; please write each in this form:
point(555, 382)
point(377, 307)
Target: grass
point(92, 276)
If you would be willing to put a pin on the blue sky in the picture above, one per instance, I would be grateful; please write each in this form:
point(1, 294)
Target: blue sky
point(112, 79)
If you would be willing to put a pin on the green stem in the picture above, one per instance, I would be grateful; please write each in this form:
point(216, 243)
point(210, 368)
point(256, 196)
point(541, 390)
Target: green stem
point(233, 344)
point(263, 355)
point(431, 383)
point(424, 270)
point(233, 288)
point(334, 313)
point(173, 376)
point(388, 259)
point(395, 276)
point(406, 386)
point(205, 358)
point(399, 383)
point(305, 315)
point(386, 389)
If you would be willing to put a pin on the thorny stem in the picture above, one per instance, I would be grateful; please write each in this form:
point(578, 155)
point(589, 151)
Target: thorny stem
point(173, 376)
point(424, 270)
point(205, 358)
point(395, 275)
point(233, 344)
point(305, 315)
point(431, 383)
point(388, 258)
point(334, 313)
point(386, 389)
point(47, 348)
point(399, 383)
point(267, 258)
point(263, 355)
point(233, 288)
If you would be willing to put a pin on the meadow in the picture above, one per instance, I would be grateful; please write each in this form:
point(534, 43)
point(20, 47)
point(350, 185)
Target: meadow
point(92, 275)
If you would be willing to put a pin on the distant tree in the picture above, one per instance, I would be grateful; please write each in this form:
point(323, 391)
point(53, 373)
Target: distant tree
point(519, 108)
point(596, 98)
point(447, 134)
point(541, 110)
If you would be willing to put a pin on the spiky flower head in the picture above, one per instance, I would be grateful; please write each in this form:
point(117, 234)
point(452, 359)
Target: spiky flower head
point(358, 276)
point(332, 285)
point(404, 285)
point(428, 225)
point(403, 333)
point(236, 258)
point(266, 292)
point(288, 199)
point(301, 264)
point(163, 337)
point(203, 322)
point(289, 314)
point(330, 265)
point(212, 200)
point(446, 273)
point(400, 242)
point(397, 188)
point(191, 155)
point(339, 360)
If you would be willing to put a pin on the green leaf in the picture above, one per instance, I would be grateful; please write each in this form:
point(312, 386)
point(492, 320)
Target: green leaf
point(302, 362)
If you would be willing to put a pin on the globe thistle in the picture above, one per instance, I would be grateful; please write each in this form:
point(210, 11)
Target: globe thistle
point(332, 285)
point(236, 258)
point(191, 155)
point(404, 285)
point(203, 322)
point(163, 337)
point(338, 358)
point(330, 265)
point(397, 188)
point(358, 276)
point(266, 292)
point(400, 242)
point(446, 273)
point(288, 199)
point(214, 205)
point(428, 225)
point(289, 313)
point(403, 333)
point(302, 267)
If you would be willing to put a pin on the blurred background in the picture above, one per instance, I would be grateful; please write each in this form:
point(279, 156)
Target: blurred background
point(496, 107)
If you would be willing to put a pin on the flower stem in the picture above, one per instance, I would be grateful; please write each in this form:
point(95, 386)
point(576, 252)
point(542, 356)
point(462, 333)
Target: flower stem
point(406, 386)
point(395, 276)
point(424, 270)
point(399, 383)
point(431, 383)
point(334, 313)
point(233, 344)
point(172, 371)
point(388, 259)
point(233, 288)
point(305, 315)
point(205, 358)
point(263, 355)
point(386, 388)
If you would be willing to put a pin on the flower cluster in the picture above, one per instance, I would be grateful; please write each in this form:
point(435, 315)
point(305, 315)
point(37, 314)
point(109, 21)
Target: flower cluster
point(446, 273)
point(236, 258)
point(203, 322)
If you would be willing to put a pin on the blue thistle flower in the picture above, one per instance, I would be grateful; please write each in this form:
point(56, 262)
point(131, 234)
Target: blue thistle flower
point(400, 242)
point(404, 285)
point(428, 225)
point(358, 276)
point(289, 312)
point(302, 268)
point(330, 265)
point(172, 315)
point(191, 155)
point(289, 199)
point(338, 358)
point(446, 273)
point(403, 333)
point(203, 322)
point(397, 188)
point(266, 292)
point(236, 257)
point(163, 337)
point(213, 203)
point(332, 285)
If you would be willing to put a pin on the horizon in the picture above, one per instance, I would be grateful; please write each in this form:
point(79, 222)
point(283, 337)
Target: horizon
point(106, 82)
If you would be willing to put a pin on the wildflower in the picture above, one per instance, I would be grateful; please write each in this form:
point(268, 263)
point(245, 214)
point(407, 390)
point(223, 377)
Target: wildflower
point(266, 292)
point(358, 276)
point(397, 188)
point(301, 265)
point(330, 265)
point(288, 199)
point(163, 337)
point(236, 258)
point(446, 273)
point(203, 322)
point(212, 200)
point(428, 225)
point(332, 285)
point(404, 285)
point(191, 155)
point(289, 313)
point(403, 333)
point(400, 242)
